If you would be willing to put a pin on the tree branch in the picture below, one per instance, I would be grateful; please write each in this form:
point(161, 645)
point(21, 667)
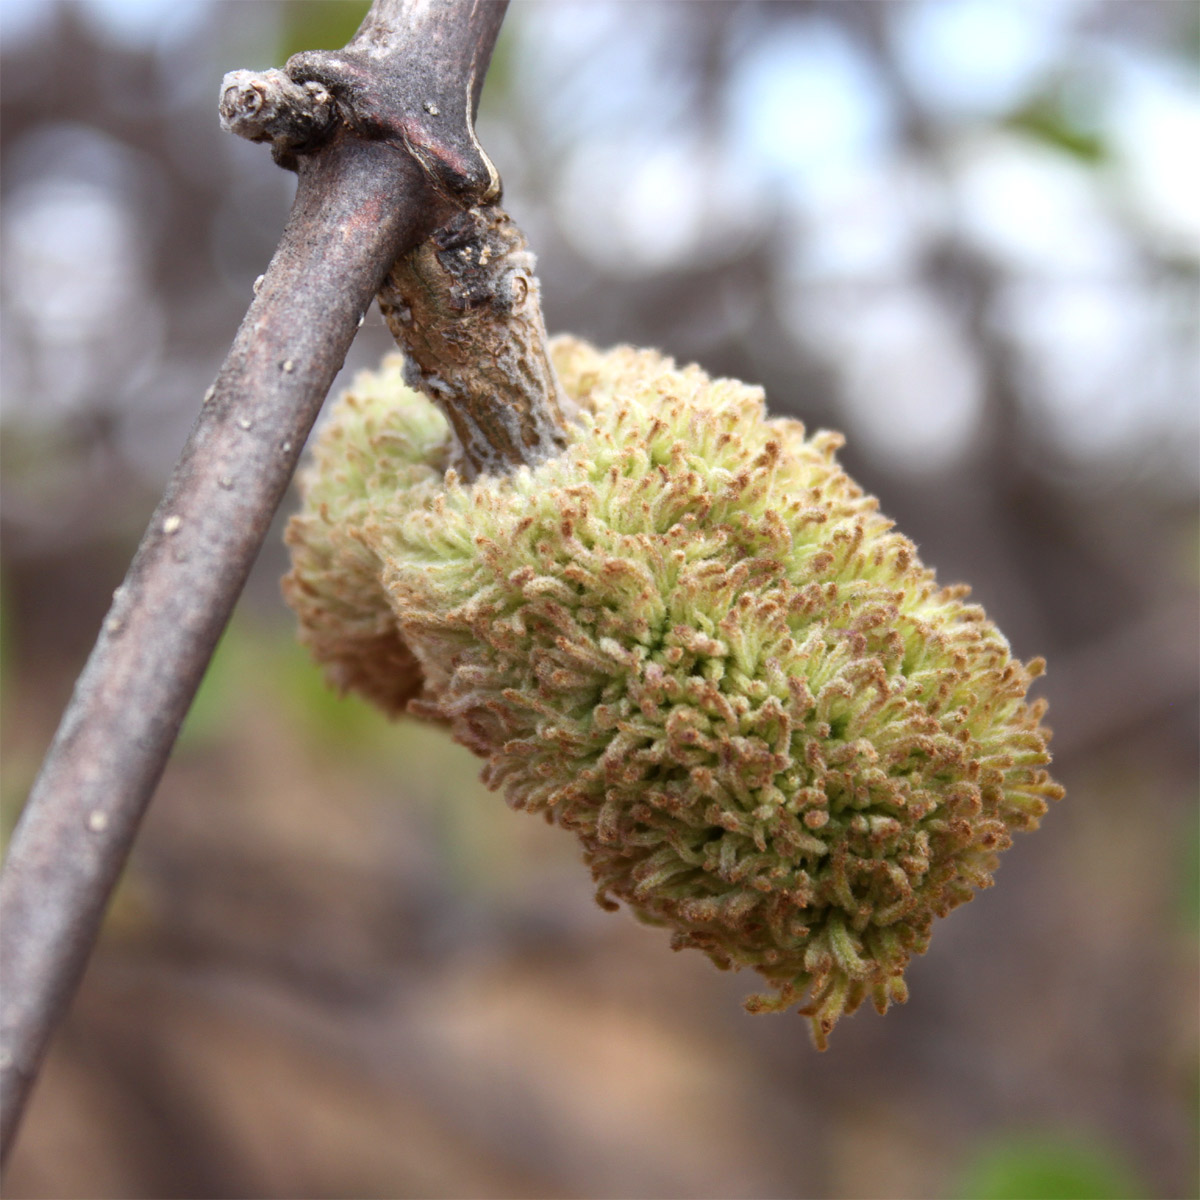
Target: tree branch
point(382, 138)
point(465, 308)
point(464, 305)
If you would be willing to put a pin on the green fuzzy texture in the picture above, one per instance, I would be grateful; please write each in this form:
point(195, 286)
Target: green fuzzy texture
point(693, 640)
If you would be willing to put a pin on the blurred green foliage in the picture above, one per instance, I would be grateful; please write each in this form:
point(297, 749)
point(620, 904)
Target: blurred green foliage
point(4, 657)
point(259, 663)
point(1046, 1168)
point(12, 783)
point(502, 70)
point(1189, 894)
point(330, 24)
point(319, 25)
point(1051, 118)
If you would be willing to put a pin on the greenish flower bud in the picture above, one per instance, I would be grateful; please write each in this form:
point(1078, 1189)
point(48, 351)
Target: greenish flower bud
point(691, 639)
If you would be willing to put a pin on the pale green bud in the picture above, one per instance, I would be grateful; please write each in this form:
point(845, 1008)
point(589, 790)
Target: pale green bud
point(694, 641)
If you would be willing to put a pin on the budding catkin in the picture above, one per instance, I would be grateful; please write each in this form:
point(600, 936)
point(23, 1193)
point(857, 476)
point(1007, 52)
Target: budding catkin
point(694, 641)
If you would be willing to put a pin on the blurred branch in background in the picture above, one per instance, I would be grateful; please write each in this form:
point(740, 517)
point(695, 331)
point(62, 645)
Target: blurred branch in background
point(965, 233)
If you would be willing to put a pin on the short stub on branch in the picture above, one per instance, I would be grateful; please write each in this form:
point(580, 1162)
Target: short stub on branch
point(267, 106)
point(465, 308)
point(465, 305)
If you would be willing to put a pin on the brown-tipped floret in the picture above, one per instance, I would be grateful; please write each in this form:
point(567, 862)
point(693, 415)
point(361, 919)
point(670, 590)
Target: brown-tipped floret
point(694, 641)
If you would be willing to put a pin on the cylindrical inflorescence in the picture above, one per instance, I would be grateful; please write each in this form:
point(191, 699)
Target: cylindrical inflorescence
point(692, 639)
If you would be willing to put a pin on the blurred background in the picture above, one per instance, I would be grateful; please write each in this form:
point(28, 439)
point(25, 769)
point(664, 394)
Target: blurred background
point(965, 232)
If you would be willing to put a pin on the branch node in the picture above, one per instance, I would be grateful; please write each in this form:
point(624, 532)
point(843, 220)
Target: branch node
point(422, 114)
point(268, 106)
point(465, 308)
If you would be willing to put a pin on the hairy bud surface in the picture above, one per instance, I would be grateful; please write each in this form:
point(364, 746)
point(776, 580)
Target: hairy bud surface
point(694, 641)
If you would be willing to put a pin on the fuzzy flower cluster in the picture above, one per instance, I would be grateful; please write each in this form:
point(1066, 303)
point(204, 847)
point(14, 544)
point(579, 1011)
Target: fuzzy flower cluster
point(694, 641)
